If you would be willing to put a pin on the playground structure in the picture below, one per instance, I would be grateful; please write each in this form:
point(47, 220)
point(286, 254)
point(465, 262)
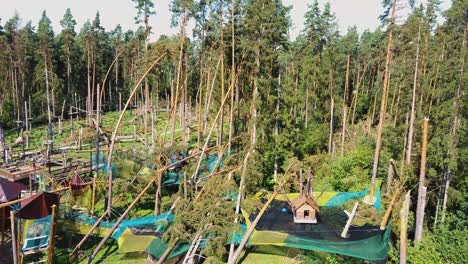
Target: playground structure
point(145, 234)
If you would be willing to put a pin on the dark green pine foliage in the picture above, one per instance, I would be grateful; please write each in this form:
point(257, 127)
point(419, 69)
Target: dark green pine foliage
point(264, 30)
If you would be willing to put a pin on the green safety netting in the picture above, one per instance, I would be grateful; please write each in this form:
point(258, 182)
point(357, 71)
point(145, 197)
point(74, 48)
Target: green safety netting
point(175, 178)
point(276, 227)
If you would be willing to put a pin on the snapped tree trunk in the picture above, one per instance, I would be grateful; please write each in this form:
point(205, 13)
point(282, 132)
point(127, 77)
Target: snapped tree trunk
point(404, 228)
point(422, 188)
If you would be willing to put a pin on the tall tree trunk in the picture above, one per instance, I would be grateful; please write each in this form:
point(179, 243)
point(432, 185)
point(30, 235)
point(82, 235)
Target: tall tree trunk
point(233, 76)
point(413, 114)
point(330, 137)
point(179, 73)
point(88, 98)
point(47, 88)
point(421, 186)
point(221, 120)
point(332, 106)
point(383, 105)
point(200, 101)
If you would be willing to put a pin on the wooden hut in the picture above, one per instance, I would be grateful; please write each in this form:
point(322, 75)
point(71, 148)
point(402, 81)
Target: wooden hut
point(305, 210)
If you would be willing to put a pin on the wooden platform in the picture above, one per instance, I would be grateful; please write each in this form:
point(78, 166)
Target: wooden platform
point(17, 172)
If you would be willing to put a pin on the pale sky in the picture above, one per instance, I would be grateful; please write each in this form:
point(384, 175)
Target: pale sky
point(362, 13)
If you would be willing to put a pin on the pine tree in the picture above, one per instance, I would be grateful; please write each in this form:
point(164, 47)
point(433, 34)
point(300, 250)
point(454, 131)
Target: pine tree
point(68, 24)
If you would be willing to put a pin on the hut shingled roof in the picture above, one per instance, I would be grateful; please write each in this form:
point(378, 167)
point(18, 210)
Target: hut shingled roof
point(303, 199)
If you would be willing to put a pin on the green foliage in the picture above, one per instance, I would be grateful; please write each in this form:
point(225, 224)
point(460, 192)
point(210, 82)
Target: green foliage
point(351, 172)
point(212, 216)
point(442, 246)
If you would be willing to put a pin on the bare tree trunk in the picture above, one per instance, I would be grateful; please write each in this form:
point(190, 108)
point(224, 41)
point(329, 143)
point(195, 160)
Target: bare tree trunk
point(200, 102)
point(239, 200)
point(404, 227)
point(421, 189)
point(221, 120)
point(330, 137)
point(179, 73)
point(444, 203)
point(88, 98)
point(412, 116)
point(233, 76)
point(253, 138)
point(47, 88)
point(383, 105)
point(344, 234)
point(389, 178)
point(93, 80)
point(345, 99)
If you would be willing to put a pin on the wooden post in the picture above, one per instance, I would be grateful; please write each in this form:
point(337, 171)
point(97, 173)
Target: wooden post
point(404, 228)
point(18, 241)
point(93, 196)
point(50, 248)
point(80, 138)
point(301, 188)
point(185, 185)
point(3, 224)
point(120, 102)
point(152, 129)
point(344, 234)
point(13, 237)
point(421, 189)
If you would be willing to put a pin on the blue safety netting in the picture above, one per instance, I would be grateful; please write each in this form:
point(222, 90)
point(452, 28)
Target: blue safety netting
point(152, 221)
point(102, 163)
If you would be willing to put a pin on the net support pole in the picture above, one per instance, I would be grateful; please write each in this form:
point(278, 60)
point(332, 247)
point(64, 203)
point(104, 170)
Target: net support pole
point(93, 195)
point(344, 234)
point(18, 241)
point(13, 237)
point(50, 248)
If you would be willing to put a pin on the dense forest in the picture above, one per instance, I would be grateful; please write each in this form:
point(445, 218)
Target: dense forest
point(350, 106)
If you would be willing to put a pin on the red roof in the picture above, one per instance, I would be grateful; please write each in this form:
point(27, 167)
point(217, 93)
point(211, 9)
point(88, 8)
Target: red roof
point(77, 183)
point(38, 205)
point(10, 191)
